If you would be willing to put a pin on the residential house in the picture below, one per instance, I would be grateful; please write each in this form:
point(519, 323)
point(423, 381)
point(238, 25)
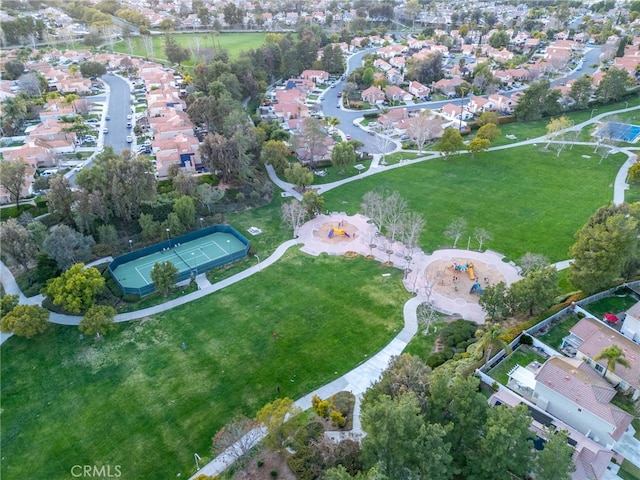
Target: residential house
point(381, 64)
point(373, 95)
point(182, 150)
point(319, 77)
point(34, 154)
point(503, 104)
point(447, 86)
point(631, 325)
point(50, 134)
point(456, 112)
point(590, 336)
point(394, 76)
point(478, 105)
point(573, 392)
point(418, 90)
point(392, 51)
point(396, 94)
point(170, 123)
point(398, 62)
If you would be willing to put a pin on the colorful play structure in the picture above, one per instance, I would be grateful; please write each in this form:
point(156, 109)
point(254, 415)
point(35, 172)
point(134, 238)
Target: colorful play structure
point(464, 268)
point(476, 288)
point(337, 231)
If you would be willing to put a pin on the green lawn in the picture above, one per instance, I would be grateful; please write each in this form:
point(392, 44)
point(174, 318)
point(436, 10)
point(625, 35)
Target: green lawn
point(333, 173)
point(423, 345)
point(397, 157)
point(234, 43)
point(557, 332)
point(138, 400)
point(612, 304)
point(530, 201)
point(521, 356)
point(628, 471)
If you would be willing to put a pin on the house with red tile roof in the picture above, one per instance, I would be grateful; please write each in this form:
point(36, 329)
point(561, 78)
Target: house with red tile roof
point(447, 86)
point(372, 95)
point(456, 112)
point(182, 150)
point(503, 104)
point(34, 154)
point(169, 123)
point(418, 90)
point(590, 336)
point(319, 77)
point(395, 76)
point(478, 105)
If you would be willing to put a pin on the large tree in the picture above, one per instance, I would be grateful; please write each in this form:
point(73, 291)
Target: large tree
point(343, 155)
point(494, 301)
point(18, 244)
point(274, 416)
point(67, 246)
point(164, 276)
point(581, 91)
point(535, 292)
point(237, 438)
point(554, 461)
point(300, 176)
point(92, 69)
point(531, 104)
point(450, 142)
point(76, 289)
point(61, 199)
point(613, 85)
point(293, 215)
point(605, 247)
point(423, 128)
point(26, 321)
point(12, 177)
point(274, 153)
point(174, 52)
point(98, 320)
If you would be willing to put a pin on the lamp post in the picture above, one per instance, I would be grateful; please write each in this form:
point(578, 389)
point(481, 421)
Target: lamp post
point(131, 245)
point(257, 258)
point(169, 236)
point(196, 457)
point(201, 222)
point(592, 112)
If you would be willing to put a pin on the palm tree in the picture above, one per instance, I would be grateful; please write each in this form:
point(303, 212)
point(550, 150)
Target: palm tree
point(613, 355)
point(14, 110)
point(489, 340)
point(70, 99)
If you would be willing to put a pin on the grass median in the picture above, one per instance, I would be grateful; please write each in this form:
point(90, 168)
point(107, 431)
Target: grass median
point(139, 400)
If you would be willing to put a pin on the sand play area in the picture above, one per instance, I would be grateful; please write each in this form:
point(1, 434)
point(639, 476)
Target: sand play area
point(343, 232)
point(442, 273)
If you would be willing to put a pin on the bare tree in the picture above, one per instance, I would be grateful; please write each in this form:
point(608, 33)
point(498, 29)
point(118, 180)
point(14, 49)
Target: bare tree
point(382, 140)
point(481, 236)
point(373, 207)
point(395, 208)
point(456, 229)
point(237, 438)
point(532, 261)
point(293, 215)
point(426, 316)
point(372, 233)
point(412, 225)
point(423, 128)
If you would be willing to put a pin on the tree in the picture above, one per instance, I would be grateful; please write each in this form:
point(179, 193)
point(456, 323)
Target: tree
point(581, 91)
point(174, 52)
point(26, 321)
point(76, 289)
point(489, 131)
point(481, 235)
point(300, 176)
point(236, 439)
point(312, 203)
point(185, 183)
point(494, 301)
point(532, 261)
point(373, 207)
point(92, 69)
point(423, 128)
point(8, 303)
point(613, 85)
point(394, 211)
point(61, 198)
point(343, 155)
point(614, 355)
point(67, 246)
point(634, 173)
point(489, 341)
point(456, 229)
point(17, 243)
point(98, 320)
point(275, 153)
point(486, 118)
point(208, 195)
point(13, 69)
point(164, 276)
point(411, 226)
point(531, 104)
point(293, 215)
point(274, 416)
point(12, 177)
point(499, 39)
point(367, 77)
point(150, 228)
point(603, 248)
point(185, 208)
point(506, 445)
point(451, 142)
point(14, 111)
point(554, 461)
point(478, 145)
point(555, 129)
point(535, 292)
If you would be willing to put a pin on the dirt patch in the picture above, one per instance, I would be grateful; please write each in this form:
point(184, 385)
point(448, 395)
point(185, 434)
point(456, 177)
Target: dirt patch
point(453, 283)
point(350, 232)
point(271, 461)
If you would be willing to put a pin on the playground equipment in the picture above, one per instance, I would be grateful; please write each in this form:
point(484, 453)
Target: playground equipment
point(337, 231)
point(476, 288)
point(471, 275)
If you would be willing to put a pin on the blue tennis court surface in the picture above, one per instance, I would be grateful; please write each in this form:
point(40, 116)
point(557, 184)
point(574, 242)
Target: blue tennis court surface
point(623, 132)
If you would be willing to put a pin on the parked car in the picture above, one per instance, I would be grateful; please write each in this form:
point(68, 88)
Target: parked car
point(105, 130)
point(128, 124)
point(129, 139)
point(92, 120)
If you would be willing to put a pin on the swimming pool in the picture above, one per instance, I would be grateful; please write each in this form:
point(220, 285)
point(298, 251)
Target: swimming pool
point(623, 132)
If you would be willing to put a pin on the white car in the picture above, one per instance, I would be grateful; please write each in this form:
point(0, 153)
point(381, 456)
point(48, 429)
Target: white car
point(105, 130)
point(129, 139)
point(128, 117)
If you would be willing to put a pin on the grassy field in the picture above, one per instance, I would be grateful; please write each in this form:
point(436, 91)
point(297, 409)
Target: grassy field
point(234, 43)
point(556, 333)
point(521, 356)
point(137, 399)
point(530, 201)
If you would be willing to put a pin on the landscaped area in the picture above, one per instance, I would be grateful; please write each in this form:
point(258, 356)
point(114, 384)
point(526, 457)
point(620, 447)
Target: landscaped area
point(138, 399)
point(615, 304)
point(523, 356)
point(535, 205)
point(556, 332)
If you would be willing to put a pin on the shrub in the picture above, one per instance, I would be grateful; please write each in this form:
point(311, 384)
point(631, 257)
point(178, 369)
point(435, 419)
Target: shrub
point(306, 434)
point(371, 115)
point(102, 250)
point(323, 409)
point(580, 315)
point(260, 463)
point(526, 340)
point(338, 419)
point(315, 400)
point(273, 474)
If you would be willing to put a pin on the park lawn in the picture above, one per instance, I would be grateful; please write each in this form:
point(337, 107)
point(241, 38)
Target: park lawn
point(233, 43)
point(557, 332)
point(139, 400)
point(334, 175)
point(397, 157)
point(530, 201)
point(423, 345)
point(521, 356)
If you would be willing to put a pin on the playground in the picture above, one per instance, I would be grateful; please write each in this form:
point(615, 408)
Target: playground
point(461, 278)
point(336, 232)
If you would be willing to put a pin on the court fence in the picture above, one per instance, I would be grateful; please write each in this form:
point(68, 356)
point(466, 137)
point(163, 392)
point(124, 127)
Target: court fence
point(184, 274)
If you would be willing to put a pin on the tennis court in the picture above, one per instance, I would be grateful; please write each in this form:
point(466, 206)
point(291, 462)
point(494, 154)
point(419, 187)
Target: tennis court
point(190, 255)
point(623, 132)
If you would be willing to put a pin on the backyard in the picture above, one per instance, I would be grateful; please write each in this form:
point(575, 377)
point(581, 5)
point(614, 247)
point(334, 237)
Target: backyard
point(522, 356)
point(534, 205)
point(554, 335)
point(615, 304)
point(140, 400)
